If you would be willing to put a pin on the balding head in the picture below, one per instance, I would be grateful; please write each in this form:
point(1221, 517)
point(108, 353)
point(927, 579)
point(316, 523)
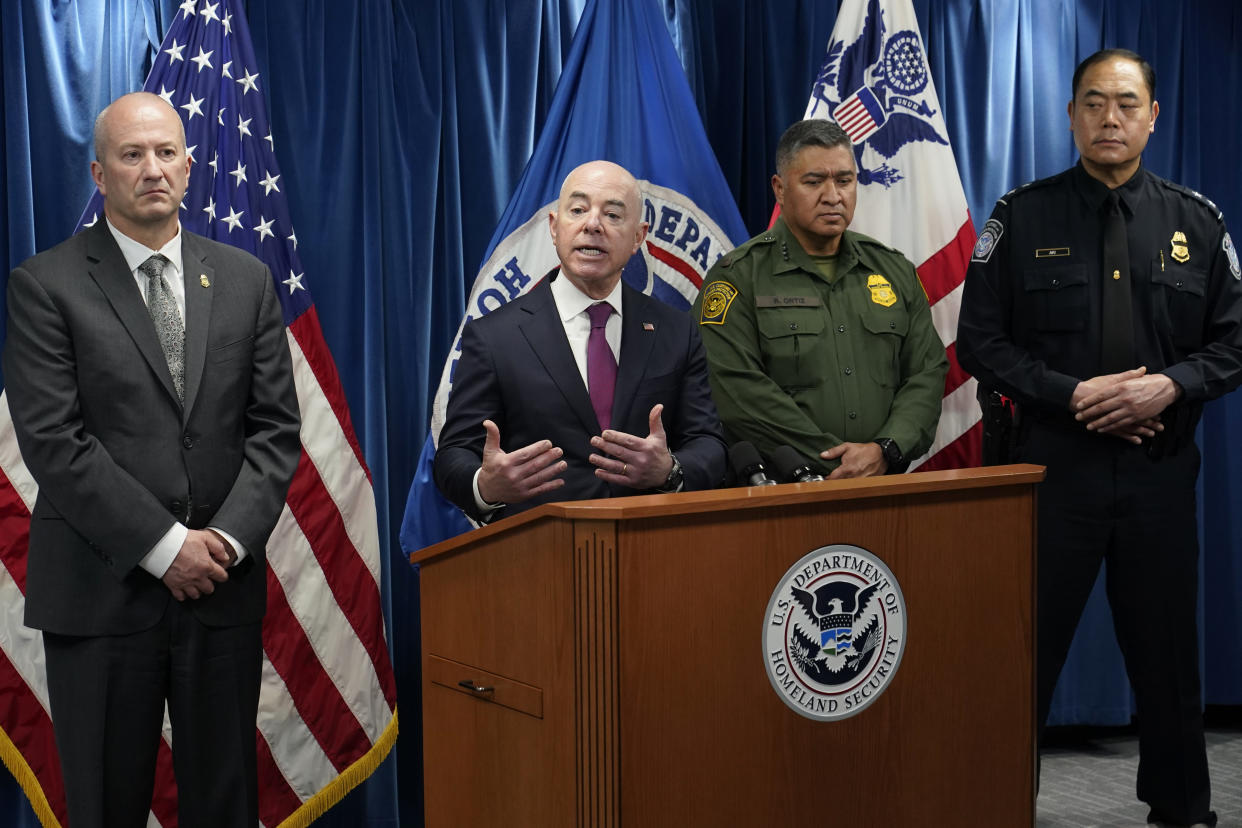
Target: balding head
point(141, 167)
point(596, 226)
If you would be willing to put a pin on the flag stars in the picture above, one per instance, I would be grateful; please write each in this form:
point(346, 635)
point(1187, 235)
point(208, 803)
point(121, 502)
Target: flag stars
point(174, 52)
point(227, 23)
point(239, 173)
point(233, 219)
point(194, 107)
point(215, 165)
point(220, 115)
point(293, 237)
point(190, 152)
point(268, 138)
point(94, 219)
point(203, 59)
point(187, 7)
point(166, 94)
point(294, 282)
point(209, 12)
point(264, 228)
point(227, 69)
point(210, 209)
point(243, 127)
point(247, 81)
point(269, 183)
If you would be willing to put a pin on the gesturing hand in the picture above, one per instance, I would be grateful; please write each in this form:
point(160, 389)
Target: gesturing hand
point(637, 462)
point(518, 475)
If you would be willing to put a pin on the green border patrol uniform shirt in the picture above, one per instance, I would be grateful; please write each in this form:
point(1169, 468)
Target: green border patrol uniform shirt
point(796, 359)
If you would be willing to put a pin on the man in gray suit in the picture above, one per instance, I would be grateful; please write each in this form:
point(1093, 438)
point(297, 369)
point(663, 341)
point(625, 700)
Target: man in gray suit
point(163, 451)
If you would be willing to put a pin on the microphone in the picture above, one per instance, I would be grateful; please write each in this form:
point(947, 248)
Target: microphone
point(748, 465)
point(792, 467)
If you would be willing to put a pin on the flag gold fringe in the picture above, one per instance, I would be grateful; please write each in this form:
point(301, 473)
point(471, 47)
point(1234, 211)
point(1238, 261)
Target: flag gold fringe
point(16, 763)
point(311, 809)
point(353, 776)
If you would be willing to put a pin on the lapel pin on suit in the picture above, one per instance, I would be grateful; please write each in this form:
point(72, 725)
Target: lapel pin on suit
point(648, 326)
point(203, 280)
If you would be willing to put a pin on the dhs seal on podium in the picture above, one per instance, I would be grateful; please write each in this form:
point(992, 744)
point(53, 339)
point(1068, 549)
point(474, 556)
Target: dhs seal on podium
point(834, 632)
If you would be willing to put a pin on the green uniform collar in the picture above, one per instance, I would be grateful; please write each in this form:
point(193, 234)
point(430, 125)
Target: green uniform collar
point(791, 256)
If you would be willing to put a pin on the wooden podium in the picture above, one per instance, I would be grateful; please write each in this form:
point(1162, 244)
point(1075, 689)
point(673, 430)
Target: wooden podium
point(601, 663)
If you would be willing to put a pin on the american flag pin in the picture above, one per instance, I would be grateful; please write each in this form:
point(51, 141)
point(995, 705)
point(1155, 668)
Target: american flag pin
point(648, 326)
point(203, 280)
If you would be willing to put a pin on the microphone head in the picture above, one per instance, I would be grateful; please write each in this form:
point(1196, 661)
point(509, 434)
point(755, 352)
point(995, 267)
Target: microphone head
point(745, 459)
point(748, 465)
point(791, 466)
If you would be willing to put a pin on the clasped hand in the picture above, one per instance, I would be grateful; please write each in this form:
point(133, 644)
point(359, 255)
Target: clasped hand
point(200, 565)
point(1126, 405)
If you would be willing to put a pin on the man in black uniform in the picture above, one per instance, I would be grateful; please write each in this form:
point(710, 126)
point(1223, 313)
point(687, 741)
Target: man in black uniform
point(1107, 303)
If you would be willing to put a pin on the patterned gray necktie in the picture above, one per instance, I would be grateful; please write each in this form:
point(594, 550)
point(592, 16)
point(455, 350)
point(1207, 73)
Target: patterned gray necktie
point(168, 327)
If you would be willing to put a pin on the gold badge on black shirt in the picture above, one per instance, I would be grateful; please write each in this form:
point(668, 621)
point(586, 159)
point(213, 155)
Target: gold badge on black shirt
point(1180, 253)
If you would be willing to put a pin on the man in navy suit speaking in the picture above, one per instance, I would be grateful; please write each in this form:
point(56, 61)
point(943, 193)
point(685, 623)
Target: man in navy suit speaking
point(584, 387)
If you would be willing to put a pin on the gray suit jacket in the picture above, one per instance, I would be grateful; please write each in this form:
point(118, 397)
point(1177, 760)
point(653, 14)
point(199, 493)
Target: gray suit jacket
point(117, 457)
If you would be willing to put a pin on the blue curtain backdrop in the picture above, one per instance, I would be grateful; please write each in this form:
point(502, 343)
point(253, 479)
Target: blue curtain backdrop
point(403, 126)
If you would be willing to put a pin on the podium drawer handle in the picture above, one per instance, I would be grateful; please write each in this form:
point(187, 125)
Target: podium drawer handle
point(476, 689)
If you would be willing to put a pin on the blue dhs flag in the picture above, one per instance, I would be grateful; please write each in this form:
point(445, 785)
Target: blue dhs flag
point(623, 97)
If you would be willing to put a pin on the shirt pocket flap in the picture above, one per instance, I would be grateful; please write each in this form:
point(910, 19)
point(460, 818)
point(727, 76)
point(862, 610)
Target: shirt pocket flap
point(1183, 279)
point(1055, 278)
point(886, 323)
point(781, 322)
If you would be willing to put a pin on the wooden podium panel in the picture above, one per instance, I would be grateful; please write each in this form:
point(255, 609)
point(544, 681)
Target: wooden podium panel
point(623, 642)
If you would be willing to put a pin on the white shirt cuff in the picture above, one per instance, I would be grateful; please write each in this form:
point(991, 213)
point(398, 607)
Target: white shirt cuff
point(165, 551)
point(484, 506)
point(233, 542)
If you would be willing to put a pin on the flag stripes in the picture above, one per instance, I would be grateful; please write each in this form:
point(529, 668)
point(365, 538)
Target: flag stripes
point(327, 709)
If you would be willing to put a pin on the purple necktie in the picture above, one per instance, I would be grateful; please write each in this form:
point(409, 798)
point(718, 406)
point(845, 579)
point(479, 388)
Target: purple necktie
point(601, 365)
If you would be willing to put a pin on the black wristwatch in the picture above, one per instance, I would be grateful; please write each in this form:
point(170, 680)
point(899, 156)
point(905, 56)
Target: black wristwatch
point(675, 478)
point(892, 455)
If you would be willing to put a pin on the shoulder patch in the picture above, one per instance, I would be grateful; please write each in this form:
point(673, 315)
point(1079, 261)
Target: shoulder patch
point(991, 234)
point(1232, 254)
point(716, 300)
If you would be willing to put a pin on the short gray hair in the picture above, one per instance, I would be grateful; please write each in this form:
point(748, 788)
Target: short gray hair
point(813, 132)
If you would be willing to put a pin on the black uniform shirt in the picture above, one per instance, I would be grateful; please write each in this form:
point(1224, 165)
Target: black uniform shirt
point(1030, 318)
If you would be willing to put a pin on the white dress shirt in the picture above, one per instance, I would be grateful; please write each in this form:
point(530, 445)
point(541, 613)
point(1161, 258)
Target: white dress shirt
point(160, 557)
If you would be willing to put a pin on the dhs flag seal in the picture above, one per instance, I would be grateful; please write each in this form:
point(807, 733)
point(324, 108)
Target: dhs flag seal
point(834, 632)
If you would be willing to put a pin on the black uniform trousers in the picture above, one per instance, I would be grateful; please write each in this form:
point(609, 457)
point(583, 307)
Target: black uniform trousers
point(1107, 501)
point(107, 695)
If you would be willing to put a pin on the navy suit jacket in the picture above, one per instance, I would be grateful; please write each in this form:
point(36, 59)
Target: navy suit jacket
point(118, 458)
point(516, 369)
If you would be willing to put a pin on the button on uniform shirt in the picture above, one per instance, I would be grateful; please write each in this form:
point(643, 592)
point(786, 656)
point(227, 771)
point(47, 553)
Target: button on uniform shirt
point(808, 355)
point(161, 556)
point(1030, 323)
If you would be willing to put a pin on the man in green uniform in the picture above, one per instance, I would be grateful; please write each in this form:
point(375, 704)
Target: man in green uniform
point(818, 337)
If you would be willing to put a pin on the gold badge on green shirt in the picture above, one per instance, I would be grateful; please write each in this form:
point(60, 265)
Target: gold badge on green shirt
point(1180, 252)
point(716, 300)
point(881, 290)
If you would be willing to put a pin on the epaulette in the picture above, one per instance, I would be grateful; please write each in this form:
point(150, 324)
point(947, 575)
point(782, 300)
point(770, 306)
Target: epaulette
point(1193, 194)
point(863, 238)
point(1030, 185)
point(740, 252)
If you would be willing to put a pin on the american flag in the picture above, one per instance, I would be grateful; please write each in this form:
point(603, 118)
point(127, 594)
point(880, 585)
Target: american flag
point(327, 709)
point(859, 115)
